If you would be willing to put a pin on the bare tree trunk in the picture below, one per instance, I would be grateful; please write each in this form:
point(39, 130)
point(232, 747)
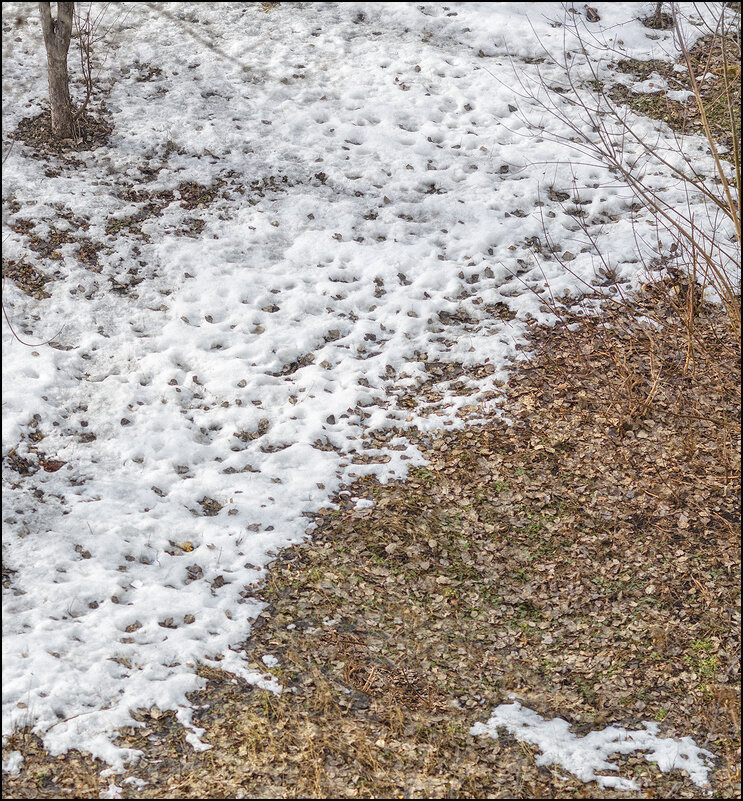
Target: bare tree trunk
point(57, 33)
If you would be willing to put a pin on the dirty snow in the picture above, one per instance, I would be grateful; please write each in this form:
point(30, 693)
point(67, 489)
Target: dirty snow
point(378, 193)
point(13, 763)
point(584, 756)
point(270, 661)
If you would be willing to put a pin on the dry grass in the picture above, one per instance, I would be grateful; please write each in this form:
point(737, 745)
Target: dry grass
point(585, 558)
point(707, 57)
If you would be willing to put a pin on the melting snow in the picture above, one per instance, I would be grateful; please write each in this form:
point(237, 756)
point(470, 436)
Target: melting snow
point(13, 763)
point(583, 756)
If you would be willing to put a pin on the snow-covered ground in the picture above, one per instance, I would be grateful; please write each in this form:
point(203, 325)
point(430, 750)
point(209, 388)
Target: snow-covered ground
point(379, 188)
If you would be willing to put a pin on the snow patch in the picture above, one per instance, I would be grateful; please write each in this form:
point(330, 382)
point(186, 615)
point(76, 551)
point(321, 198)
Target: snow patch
point(12, 764)
point(584, 756)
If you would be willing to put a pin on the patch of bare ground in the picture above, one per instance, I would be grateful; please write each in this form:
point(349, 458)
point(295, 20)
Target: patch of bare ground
point(716, 62)
point(584, 558)
point(26, 277)
point(92, 130)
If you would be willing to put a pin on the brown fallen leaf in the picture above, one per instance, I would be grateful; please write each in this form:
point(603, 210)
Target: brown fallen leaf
point(51, 465)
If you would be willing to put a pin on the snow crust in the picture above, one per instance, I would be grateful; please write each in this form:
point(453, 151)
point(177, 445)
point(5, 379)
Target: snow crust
point(584, 756)
point(380, 191)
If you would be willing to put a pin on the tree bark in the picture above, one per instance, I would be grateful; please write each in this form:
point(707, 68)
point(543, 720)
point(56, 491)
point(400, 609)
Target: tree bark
point(57, 34)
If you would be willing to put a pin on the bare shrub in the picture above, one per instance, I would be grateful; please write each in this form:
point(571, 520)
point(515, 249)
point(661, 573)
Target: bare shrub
point(705, 244)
